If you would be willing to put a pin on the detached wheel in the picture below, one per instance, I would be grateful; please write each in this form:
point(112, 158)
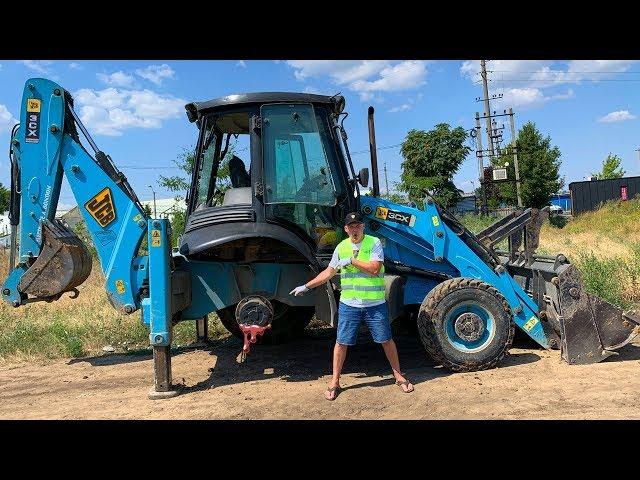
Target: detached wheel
point(466, 325)
point(288, 322)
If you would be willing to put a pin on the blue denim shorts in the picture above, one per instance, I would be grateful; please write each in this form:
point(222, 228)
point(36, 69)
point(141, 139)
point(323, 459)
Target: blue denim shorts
point(350, 318)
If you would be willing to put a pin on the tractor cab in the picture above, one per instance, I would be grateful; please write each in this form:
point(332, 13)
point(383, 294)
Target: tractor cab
point(283, 197)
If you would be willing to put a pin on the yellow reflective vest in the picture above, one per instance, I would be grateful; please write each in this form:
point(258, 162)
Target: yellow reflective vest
point(355, 283)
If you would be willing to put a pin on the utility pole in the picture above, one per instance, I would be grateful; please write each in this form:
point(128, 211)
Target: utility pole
point(155, 214)
point(483, 190)
point(515, 156)
point(487, 108)
point(494, 139)
point(386, 180)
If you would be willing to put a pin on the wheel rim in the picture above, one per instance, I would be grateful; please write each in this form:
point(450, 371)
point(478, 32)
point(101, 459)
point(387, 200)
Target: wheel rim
point(469, 327)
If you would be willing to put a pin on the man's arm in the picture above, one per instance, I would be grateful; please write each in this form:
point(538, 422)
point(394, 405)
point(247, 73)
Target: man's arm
point(372, 267)
point(322, 277)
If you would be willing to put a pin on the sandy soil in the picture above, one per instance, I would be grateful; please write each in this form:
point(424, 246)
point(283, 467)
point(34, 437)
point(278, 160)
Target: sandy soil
point(287, 382)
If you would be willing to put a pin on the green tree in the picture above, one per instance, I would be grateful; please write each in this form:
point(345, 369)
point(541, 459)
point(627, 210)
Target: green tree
point(180, 183)
point(610, 168)
point(4, 198)
point(430, 161)
point(146, 209)
point(539, 165)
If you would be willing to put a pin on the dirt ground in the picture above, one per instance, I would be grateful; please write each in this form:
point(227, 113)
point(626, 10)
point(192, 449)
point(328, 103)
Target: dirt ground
point(287, 382)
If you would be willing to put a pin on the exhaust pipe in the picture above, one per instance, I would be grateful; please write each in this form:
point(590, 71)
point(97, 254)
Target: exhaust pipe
point(374, 155)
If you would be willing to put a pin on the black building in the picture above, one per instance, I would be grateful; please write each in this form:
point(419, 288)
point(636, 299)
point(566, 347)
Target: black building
point(590, 194)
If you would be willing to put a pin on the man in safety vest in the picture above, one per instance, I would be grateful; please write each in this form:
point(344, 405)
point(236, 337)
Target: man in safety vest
point(360, 259)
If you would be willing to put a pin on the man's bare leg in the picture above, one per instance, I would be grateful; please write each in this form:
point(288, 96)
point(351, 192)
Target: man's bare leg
point(391, 352)
point(339, 355)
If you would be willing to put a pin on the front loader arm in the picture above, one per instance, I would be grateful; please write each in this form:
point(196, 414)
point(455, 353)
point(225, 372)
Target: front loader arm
point(45, 147)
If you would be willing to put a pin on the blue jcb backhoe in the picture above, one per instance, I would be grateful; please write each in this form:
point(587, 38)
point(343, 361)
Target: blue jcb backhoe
point(245, 248)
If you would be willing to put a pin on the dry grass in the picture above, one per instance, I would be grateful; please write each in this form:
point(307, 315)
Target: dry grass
point(613, 231)
point(77, 327)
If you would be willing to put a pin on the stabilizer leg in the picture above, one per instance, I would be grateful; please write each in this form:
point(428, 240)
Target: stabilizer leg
point(202, 332)
point(162, 387)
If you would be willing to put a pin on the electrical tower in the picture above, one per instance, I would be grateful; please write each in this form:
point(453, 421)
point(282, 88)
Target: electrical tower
point(493, 133)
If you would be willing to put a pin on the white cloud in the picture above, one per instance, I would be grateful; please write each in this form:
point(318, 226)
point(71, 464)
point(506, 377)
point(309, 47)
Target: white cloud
point(617, 116)
point(75, 66)
point(240, 63)
point(401, 108)
point(117, 79)
point(525, 81)
point(365, 77)
point(156, 73)
point(7, 121)
point(526, 98)
point(39, 66)
point(403, 76)
point(111, 111)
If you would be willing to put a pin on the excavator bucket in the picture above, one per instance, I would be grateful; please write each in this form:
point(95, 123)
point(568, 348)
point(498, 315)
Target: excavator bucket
point(63, 264)
point(591, 328)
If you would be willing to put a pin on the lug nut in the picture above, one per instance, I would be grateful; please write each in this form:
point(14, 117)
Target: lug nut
point(57, 92)
point(53, 128)
point(158, 338)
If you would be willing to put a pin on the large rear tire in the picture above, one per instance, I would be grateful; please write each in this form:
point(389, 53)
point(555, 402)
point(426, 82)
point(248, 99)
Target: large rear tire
point(466, 325)
point(288, 322)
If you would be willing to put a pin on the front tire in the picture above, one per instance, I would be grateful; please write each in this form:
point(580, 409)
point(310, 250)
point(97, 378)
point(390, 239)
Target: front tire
point(466, 325)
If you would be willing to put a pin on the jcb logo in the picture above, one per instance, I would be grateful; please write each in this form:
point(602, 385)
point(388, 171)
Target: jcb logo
point(33, 105)
point(33, 120)
point(101, 207)
point(381, 212)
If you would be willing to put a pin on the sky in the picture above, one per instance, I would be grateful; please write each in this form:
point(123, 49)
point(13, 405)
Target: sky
point(134, 110)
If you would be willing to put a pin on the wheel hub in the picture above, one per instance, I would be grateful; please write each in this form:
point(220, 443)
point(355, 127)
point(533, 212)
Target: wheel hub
point(469, 327)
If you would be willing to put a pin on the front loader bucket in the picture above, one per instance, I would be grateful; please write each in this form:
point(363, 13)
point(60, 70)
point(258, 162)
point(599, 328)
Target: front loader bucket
point(63, 264)
point(591, 328)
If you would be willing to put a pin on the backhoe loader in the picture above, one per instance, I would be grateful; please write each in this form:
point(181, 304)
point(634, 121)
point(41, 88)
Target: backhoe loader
point(244, 250)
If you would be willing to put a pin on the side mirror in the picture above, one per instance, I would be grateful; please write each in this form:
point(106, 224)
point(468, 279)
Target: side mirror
point(363, 177)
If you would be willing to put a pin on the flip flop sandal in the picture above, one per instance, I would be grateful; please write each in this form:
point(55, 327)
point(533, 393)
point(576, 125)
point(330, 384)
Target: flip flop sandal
point(337, 391)
point(406, 382)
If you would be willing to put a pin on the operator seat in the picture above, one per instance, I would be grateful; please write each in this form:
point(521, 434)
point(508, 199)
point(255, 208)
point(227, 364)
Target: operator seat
point(239, 176)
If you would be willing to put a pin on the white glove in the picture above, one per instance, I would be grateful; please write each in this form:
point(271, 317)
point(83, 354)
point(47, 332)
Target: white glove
point(343, 262)
point(298, 291)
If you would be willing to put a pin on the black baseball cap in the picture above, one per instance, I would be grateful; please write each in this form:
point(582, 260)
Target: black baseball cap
point(353, 217)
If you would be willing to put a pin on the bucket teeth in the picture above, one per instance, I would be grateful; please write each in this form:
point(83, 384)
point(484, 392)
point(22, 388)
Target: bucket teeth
point(62, 265)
